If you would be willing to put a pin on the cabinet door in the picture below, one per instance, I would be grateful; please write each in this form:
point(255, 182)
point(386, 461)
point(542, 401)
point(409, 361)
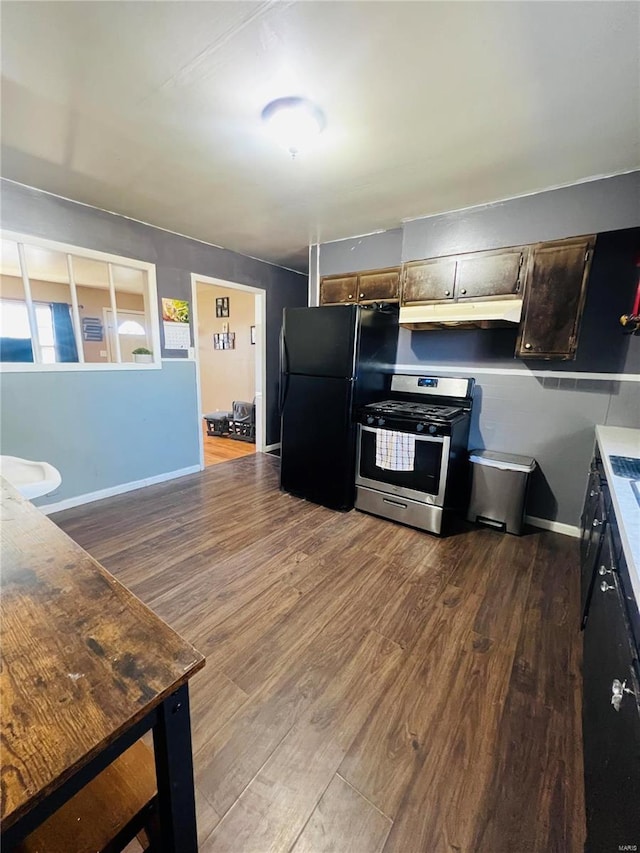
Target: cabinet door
point(589, 512)
point(379, 285)
point(554, 299)
point(428, 281)
point(593, 534)
point(337, 289)
point(489, 274)
point(611, 737)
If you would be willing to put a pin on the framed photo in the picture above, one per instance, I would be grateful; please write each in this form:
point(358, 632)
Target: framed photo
point(222, 306)
point(224, 340)
point(253, 334)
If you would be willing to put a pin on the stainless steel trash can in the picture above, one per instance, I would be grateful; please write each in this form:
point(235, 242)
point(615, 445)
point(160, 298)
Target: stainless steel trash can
point(499, 489)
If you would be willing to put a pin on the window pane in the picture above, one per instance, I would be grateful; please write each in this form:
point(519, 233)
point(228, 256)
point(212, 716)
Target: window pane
point(60, 330)
point(9, 260)
point(48, 355)
point(130, 327)
point(14, 320)
point(133, 323)
point(92, 286)
point(98, 328)
point(44, 322)
point(15, 332)
point(51, 294)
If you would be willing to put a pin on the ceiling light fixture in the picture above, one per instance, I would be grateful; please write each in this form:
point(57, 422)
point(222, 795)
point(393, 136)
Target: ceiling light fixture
point(294, 122)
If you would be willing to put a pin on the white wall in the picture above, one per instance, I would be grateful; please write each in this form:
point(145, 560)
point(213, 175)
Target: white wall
point(225, 375)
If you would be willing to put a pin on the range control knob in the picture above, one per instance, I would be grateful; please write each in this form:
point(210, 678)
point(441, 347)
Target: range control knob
point(432, 429)
point(380, 421)
point(419, 427)
point(370, 419)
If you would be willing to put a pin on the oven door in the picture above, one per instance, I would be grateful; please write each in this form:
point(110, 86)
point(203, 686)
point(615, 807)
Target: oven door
point(425, 483)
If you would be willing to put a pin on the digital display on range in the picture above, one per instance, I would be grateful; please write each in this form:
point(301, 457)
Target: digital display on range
point(427, 382)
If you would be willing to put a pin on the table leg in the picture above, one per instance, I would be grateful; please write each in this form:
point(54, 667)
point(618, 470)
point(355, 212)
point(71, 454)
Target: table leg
point(174, 770)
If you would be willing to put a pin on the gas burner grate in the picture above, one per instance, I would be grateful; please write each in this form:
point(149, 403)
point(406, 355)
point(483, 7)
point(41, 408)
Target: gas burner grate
point(422, 411)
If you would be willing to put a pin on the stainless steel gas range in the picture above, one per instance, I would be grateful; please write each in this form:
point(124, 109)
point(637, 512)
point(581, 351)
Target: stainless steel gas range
point(412, 460)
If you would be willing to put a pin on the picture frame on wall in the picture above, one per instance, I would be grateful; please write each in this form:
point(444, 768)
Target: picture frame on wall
point(222, 306)
point(224, 340)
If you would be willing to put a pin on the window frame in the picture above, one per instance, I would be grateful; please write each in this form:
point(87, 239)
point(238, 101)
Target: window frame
point(151, 306)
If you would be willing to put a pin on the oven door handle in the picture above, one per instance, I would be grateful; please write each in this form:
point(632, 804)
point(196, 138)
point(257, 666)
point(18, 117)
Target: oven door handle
point(434, 439)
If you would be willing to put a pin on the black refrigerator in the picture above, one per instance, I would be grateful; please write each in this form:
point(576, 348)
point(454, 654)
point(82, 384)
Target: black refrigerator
point(333, 360)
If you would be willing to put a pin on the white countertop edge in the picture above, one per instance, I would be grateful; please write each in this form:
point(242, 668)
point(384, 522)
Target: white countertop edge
point(623, 441)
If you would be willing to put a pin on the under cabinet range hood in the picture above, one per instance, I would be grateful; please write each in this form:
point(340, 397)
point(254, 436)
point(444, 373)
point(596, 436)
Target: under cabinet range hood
point(483, 314)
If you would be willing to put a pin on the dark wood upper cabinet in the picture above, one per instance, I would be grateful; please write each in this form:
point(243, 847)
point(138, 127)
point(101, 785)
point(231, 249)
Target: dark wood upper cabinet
point(379, 285)
point(490, 274)
point(369, 286)
point(554, 298)
point(428, 281)
point(337, 289)
point(475, 276)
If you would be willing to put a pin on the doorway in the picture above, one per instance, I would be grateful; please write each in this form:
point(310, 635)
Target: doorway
point(229, 322)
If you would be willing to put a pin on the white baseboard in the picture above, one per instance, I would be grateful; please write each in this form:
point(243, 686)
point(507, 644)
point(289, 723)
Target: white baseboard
point(89, 497)
point(555, 526)
point(269, 447)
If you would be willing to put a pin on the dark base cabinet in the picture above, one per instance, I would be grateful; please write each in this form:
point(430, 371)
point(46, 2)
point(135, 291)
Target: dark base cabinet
point(594, 523)
point(611, 709)
point(611, 737)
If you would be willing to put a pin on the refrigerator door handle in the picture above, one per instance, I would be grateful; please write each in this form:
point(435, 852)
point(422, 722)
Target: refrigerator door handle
point(284, 372)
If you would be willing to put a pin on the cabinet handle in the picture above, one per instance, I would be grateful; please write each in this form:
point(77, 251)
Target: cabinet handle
point(350, 296)
point(527, 346)
point(447, 292)
point(362, 296)
point(603, 570)
point(605, 587)
point(596, 523)
point(618, 690)
point(592, 493)
point(463, 292)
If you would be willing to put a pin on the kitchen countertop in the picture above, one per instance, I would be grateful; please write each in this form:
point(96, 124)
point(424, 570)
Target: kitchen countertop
point(621, 441)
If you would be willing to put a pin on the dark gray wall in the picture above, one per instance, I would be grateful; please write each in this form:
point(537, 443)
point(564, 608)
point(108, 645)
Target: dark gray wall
point(374, 251)
point(32, 211)
point(549, 417)
point(609, 204)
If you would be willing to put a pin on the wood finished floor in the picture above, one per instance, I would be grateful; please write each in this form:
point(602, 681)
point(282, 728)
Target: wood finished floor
point(219, 449)
point(368, 687)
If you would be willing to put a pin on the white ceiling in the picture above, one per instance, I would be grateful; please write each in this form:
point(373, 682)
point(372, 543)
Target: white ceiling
point(152, 109)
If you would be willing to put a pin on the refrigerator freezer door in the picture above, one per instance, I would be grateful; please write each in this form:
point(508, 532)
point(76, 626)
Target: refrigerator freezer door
point(320, 341)
point(318, 441)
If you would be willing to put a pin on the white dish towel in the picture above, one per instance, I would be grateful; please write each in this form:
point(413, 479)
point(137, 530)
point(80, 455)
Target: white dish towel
point(395, 451)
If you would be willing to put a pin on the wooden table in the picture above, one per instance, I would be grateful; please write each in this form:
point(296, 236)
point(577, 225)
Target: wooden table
point(86, 669)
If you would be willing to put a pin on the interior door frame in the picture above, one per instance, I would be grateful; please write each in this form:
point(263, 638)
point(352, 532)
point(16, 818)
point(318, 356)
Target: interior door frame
point(260, 295)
